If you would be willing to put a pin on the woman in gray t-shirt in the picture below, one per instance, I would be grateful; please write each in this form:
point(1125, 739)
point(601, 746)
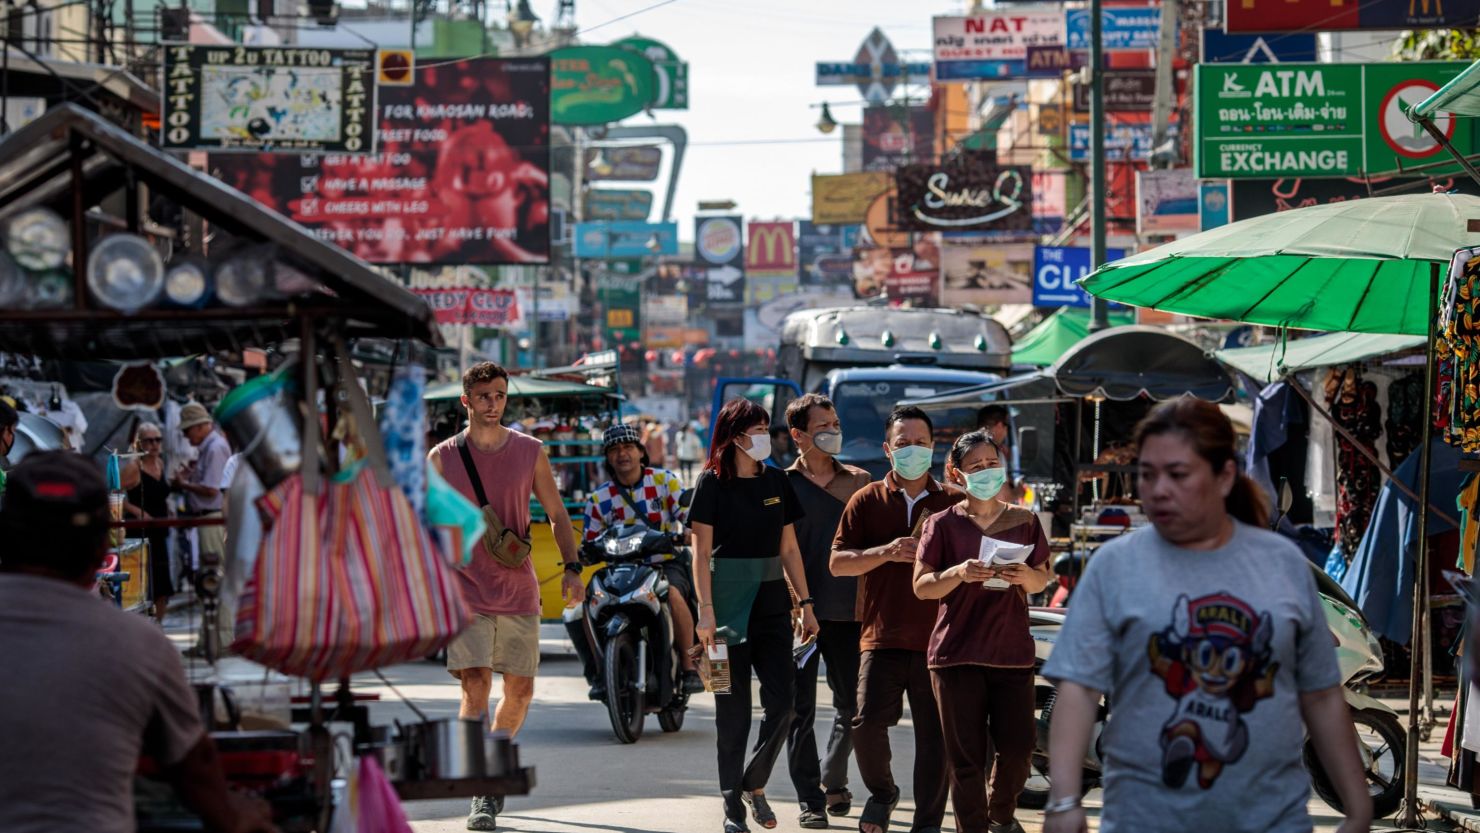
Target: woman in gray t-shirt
point(1207, 634)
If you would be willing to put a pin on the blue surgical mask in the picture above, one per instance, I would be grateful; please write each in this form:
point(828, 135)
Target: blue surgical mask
point(985, 484)
point(910, 462)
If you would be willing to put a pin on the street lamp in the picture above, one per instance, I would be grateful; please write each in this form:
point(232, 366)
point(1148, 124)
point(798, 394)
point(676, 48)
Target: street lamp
point(826, 123)
point(521, 21)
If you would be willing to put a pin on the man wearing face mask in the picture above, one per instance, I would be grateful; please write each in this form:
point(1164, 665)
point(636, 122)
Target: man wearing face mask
point(877, 541)
point(823, 487)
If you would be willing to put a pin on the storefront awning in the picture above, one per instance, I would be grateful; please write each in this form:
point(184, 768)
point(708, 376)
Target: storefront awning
point(1460, 97)
point(59, 81)
point(1045, 343)
point(1268, 362)
point(526, 387)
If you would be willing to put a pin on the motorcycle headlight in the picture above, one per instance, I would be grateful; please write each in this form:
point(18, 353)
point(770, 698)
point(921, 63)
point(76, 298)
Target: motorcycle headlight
point(625, 546)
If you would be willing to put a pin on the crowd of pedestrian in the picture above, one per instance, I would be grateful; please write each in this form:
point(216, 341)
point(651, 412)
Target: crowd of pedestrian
point(909, 590)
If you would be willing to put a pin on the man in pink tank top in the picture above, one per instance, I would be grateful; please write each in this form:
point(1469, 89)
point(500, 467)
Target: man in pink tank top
point(505, 634)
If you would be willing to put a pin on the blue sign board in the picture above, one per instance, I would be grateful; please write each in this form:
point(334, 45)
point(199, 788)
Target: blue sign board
point(1123, 143)
point(622, 239)
point(1292, 47)
point(1056, 270)
point(1214, 203)
point(1122, 28)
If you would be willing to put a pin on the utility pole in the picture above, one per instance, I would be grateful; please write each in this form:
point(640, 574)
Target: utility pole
point(1166, 90)
point(1099, 312)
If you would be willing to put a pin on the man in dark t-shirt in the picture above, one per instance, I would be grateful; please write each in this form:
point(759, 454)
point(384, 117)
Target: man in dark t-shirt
point(877, 540)
point(823, 487)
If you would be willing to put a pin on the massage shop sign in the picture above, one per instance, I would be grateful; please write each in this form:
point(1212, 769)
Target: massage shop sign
point(1261, 121)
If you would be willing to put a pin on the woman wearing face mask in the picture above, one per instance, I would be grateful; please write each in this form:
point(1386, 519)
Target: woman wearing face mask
point(1207, 634)
point(982, 559)
point(745, 552)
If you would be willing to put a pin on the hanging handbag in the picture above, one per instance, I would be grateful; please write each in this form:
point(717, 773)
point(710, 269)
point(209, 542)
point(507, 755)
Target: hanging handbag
point(347, 578)
point(499, 542)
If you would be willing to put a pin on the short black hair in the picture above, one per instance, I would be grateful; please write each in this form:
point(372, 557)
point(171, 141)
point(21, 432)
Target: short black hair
point(8, 416)
point(800, 409)
point(904, 412)
point(481, 373)
point(993, 414)
point(54, 515)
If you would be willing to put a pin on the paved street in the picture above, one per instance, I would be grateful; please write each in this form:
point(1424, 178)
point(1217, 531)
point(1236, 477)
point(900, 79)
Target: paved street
point(665, 783)
point(662, 784)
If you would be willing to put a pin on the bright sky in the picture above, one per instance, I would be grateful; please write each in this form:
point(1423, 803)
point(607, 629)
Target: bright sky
point(752, 67)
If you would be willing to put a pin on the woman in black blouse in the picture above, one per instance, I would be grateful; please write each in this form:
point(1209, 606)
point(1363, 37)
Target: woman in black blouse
point(746, 551)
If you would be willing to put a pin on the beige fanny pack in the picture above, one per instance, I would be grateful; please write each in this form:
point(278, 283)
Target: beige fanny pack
point(500, 542)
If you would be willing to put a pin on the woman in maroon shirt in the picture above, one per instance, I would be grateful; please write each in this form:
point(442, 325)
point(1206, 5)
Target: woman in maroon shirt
point(982, 558)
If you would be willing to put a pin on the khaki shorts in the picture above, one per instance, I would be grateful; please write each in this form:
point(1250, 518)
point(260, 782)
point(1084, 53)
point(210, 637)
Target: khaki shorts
point(507, 644)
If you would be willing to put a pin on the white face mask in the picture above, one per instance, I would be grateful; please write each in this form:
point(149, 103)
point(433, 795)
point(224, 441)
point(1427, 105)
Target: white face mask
point(760, 447)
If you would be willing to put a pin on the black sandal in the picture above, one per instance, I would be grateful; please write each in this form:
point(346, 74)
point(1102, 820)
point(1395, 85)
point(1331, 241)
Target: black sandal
point(760, 809)
point(877, 813)
point(843, 806)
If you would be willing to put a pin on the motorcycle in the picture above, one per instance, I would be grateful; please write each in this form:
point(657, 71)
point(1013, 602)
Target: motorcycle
point(1382, 740)
point(629, 628)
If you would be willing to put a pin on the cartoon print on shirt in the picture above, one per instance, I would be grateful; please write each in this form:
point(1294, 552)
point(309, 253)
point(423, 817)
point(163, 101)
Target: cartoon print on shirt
point(1215, 660)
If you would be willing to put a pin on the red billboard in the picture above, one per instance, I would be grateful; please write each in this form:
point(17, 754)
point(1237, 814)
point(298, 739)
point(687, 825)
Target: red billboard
point(462, 176)
point(1337, 15)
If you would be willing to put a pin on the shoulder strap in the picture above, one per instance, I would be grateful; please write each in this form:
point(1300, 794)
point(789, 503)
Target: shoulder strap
point(467, 458)
point(626, 493)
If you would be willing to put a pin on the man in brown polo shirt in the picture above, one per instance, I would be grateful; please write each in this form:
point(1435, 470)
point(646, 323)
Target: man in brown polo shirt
point(877, 541)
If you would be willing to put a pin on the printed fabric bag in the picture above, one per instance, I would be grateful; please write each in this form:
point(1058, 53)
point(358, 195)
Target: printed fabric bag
point(348, 577)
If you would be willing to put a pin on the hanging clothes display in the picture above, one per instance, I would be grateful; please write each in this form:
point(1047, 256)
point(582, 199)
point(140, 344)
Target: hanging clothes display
point(1353, 403)
point(1458, 402)
point(1404, 421)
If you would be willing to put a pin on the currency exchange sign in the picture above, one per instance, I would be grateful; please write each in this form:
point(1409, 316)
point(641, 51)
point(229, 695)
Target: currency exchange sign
point(1317, 120)
point(1289, 120)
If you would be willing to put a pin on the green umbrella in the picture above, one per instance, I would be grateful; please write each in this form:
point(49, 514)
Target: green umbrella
point(1361, 266)
point(1369, 266)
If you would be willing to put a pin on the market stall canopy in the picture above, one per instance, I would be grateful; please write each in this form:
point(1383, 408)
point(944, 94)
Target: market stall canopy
point(1129, 362)
point(523, 386)
point(1460, 97)
point(72, 151)
point(1121, 363)
point(1268, 362)
point(58, 81)
point(1056, 334)
point(1357, 266)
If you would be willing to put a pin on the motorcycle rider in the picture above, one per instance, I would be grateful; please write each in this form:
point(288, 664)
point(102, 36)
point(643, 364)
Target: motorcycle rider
point(637, 492)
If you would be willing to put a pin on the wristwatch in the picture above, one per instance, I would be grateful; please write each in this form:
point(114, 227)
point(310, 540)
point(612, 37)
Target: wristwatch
point(572, 567)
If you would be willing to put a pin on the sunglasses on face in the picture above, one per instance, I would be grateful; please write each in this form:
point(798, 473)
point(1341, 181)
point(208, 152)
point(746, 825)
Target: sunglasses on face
point(143, 440)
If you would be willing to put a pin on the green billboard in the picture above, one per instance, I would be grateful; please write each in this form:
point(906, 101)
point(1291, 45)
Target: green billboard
point(599, 84)
point(1262, 121)
point(672, 73)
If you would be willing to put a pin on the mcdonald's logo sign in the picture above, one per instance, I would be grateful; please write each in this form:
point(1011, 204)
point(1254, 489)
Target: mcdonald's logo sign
point(771, 247)
point(1268, 16)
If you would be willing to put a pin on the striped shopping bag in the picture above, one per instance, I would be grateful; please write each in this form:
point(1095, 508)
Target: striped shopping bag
point(347, 578)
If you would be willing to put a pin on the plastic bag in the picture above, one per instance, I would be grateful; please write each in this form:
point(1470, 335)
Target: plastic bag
point(380, 807)
point(456, 524)
point(403, 421)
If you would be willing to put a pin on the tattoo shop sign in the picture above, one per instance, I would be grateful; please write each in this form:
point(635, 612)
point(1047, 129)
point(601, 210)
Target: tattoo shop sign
point(268, 98)
point(968, 193)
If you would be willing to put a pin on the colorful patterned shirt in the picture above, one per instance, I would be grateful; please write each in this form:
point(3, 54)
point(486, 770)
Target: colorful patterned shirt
point(656, 499)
